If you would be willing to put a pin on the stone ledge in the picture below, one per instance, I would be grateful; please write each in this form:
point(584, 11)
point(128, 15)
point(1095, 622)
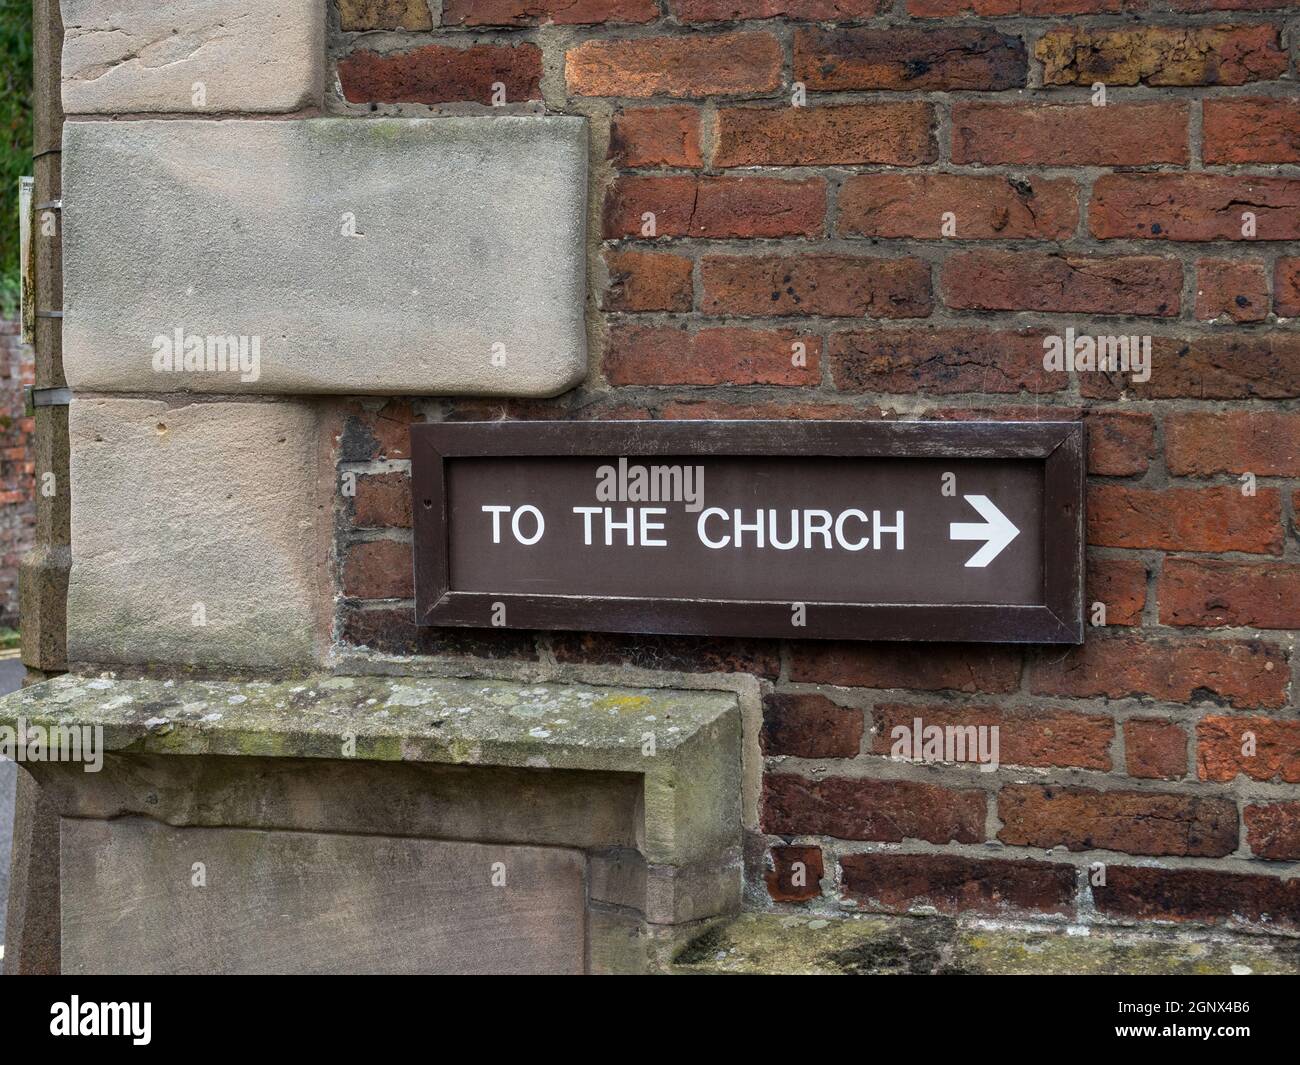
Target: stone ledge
point(767, 943)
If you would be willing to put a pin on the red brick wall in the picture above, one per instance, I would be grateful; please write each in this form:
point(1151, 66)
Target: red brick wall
point(1167, 748)
point(17, 465)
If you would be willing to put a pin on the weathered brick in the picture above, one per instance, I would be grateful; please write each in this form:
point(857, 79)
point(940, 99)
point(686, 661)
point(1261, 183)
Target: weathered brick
point(1135, 822)
point(715, 65)
point(359, 15)
point(1119, 583)
point(1035, 281)
point(1120, 443)
point(810, 726)
point(686, 206)
point(1155, 749)
point(1027, 8)
point(438, 74)
point(1030, 737)
point(811, 10)
point(914, 205)
point(934, 667)
point(888, 811)
point(1286, 288)
point(1161, 55)
point(392, 630)
point(1194, 207)
point(1241, 673)
point(1238, 130)
point(847, 58)
point(533, 13)
point(894, 134)
point(655, 136)
point(1220, 366)
point(1200, 895)
point(378, 569)
point(1261, 748)
point(684, 654)
point(1208, 592)
point(648, 281)
point(377, 434)
point(940, 362)
point(1273, 830)
point(789, 864)
point(834, 285)
point(1203, 443)
point(951, 883)
point(1119, 134)
point(383, 500)
point(669, 355)
point(1185, 519)
point(1236, 289)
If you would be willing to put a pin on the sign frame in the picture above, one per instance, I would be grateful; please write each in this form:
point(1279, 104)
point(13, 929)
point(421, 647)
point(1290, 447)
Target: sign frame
point(1058, 619)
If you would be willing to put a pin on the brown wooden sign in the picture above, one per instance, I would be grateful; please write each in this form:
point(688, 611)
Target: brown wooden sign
point(847, 530)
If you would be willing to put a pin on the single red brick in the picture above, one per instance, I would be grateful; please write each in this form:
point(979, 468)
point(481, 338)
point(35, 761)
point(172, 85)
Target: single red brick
point(1119, 583)
point(437, 74)
point(835, 285)
point(1240, 130)
point(378, 569)
point(669, 355)
point(951, 883)
point(997, 206)
point(810, 726)
point(1119, 134)
point(1286, 288)
point(1119, 442)
point(533, 13)
point(1273, 830)
point(894, 134)
point(681, 654)
point(889, 811)
point(1028, 8)
point(795, 874)
point(1231, 288)
point(687, 206)
point(1194, 207)
point(714, 65)
point(1161, 55)
point(811, 10)
point(1155, 749)
point(1025, 737)
point(655, 136)
point(1240, 673)
point(934, 667)
point(648, 281)
point(1200, 895)
point(951, 58)
point(377, 434)
point(1204, 443)
point(383, 500)
point(1185, 519)
point(940, 362)
point(1135, 822)
point(1033, 281)
point(1210, 592)
point(1218, 366)
point(1261, 748)
point(678, 409)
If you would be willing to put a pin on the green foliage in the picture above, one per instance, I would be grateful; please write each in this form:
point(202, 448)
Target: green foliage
point(15, 136)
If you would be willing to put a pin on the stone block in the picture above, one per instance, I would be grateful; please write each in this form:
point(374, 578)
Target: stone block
point(140, 897)
point(210, 56)
point(197, 534)
point(383, 256)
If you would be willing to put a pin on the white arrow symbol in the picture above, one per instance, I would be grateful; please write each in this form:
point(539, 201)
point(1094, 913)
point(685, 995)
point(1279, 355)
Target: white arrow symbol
point(995, 529)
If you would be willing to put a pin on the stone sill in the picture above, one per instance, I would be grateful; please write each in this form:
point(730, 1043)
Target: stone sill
point(410, 719)
point(769, 943)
